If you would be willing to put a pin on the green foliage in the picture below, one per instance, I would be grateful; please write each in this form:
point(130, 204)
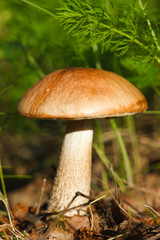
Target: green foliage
point(119, 32)
point(32, 45)
point(33, 42)
point(141, 75)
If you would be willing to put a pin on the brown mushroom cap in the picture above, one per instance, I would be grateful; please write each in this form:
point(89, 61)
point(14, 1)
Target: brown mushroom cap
point(81, 93)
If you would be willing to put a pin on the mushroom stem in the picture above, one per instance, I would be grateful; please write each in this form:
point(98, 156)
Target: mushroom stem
point(74, 170)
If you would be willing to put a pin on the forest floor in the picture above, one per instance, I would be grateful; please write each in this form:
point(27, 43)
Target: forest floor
point(132, 215)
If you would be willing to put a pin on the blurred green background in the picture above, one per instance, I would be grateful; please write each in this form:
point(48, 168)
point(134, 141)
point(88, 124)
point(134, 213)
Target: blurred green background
point(33, 43)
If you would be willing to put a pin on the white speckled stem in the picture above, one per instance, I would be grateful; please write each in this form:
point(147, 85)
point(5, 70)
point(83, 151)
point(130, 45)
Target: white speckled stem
point(74, 170)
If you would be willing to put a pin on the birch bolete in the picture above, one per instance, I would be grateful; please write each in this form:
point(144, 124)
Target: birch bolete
point(78, 95)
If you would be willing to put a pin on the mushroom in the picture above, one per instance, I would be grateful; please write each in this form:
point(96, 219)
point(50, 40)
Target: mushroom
point(78, 95)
